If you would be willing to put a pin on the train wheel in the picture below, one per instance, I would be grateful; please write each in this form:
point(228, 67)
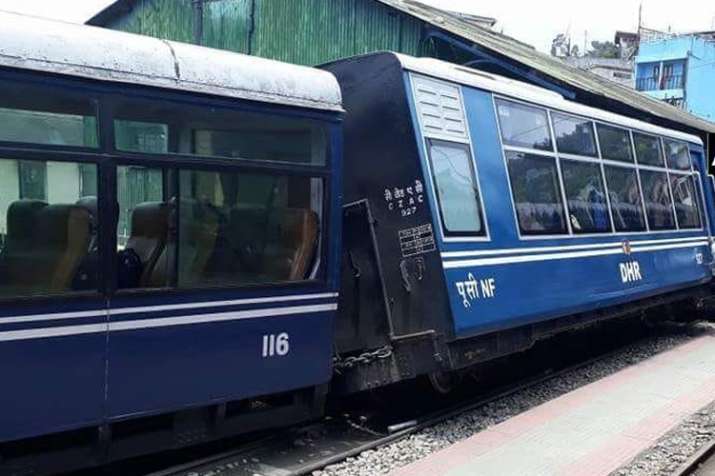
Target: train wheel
point(443, 382)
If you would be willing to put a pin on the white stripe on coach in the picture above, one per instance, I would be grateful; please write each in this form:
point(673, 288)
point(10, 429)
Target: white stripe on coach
point(166, 307)
point(218, 317)
point(136, 324)
point(236, 302)
point(540, 249)
point(567, 255)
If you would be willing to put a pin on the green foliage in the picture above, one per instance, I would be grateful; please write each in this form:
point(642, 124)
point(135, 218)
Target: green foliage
point(603, 49)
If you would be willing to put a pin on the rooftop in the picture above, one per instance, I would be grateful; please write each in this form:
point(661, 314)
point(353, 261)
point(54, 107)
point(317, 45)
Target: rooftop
point(538, 64)
point(107, 55)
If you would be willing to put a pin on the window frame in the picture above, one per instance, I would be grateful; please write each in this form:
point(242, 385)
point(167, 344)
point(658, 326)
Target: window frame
point(674, 214)
point(318, 273)
point(424, 136)
point(629, 134)
point(659, 139)
point(694, 177)
point(525, 105)
point(596, 153)
point(663, 141)
point(195, 100)
point(53, 155)
point(607, 198)
point(446, 233)
point(560, 192)
point(634, 165)
point(71, 86)
point(179, 161)
point(106, 158)
point(634, 170)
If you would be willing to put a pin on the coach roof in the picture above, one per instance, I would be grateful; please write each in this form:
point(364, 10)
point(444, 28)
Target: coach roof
point(527, 92)
point(97, 53)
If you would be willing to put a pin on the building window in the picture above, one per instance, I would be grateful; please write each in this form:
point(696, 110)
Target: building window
point(661, 76)
point(457, 188)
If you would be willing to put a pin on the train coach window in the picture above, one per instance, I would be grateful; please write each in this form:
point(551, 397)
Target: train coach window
point(615, 143)
point(677, 154)
point(145, 228)
point(658, 202)
point(574, 135)
point(625, 197)
point(648, 150)
point(47, 241)
point(524, 126)
point(42, 115)
point(161, 127)
point(238, 228)
point(537, 195)
point(457, 188)
point(686, 201)
point(586, 199)
point(137, 136)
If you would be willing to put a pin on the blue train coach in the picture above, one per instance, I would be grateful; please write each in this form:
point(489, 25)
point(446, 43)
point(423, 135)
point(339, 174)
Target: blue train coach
point(169, 220)
point(484, 214)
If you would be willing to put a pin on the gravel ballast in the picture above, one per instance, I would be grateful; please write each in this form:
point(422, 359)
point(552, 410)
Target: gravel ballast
point(673, 449)
point(421, 444)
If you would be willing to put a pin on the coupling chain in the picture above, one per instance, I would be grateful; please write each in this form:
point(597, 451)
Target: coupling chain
point(340, 363)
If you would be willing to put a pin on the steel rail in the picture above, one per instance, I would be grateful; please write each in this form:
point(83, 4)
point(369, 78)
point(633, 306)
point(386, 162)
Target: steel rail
point(691, 465)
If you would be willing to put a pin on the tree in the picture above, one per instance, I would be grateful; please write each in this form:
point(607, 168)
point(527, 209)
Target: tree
point(604, 49)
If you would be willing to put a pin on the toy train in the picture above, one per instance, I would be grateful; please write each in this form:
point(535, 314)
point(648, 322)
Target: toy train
point(195, 241)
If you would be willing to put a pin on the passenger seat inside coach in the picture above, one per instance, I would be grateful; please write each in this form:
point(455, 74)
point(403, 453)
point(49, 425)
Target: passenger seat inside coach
point(148, 240)
point(44, 247)
point(272, 245)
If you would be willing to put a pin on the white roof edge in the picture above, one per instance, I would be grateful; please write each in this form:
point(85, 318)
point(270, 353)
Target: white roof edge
point(37, 44)
point(530, 93)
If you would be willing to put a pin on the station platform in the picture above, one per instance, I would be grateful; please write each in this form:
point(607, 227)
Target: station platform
point(592, 430)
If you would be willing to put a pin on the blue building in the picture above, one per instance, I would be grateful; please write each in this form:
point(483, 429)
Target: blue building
point(679, 70)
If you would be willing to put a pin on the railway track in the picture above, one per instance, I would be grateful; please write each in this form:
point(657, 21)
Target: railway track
point(701, 457)
point(306, 449)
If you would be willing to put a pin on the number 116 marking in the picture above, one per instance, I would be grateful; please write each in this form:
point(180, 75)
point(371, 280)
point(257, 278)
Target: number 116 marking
point(276, 345)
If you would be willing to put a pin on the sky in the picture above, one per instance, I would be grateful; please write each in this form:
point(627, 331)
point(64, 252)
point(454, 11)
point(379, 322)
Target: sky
point(533, 22)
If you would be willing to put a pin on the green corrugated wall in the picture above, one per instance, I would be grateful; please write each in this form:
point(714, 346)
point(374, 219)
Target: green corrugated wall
point(306, 32)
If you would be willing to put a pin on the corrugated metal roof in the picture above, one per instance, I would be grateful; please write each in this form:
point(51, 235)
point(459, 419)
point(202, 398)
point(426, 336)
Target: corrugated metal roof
point(97, 53)
point(546, 64)
point(511, 48)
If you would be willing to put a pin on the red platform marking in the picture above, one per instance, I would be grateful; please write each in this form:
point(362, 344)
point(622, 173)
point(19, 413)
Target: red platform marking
point(619, 450)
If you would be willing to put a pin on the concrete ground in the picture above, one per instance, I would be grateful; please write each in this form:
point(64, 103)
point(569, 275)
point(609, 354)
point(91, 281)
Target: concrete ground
point(593, 430)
